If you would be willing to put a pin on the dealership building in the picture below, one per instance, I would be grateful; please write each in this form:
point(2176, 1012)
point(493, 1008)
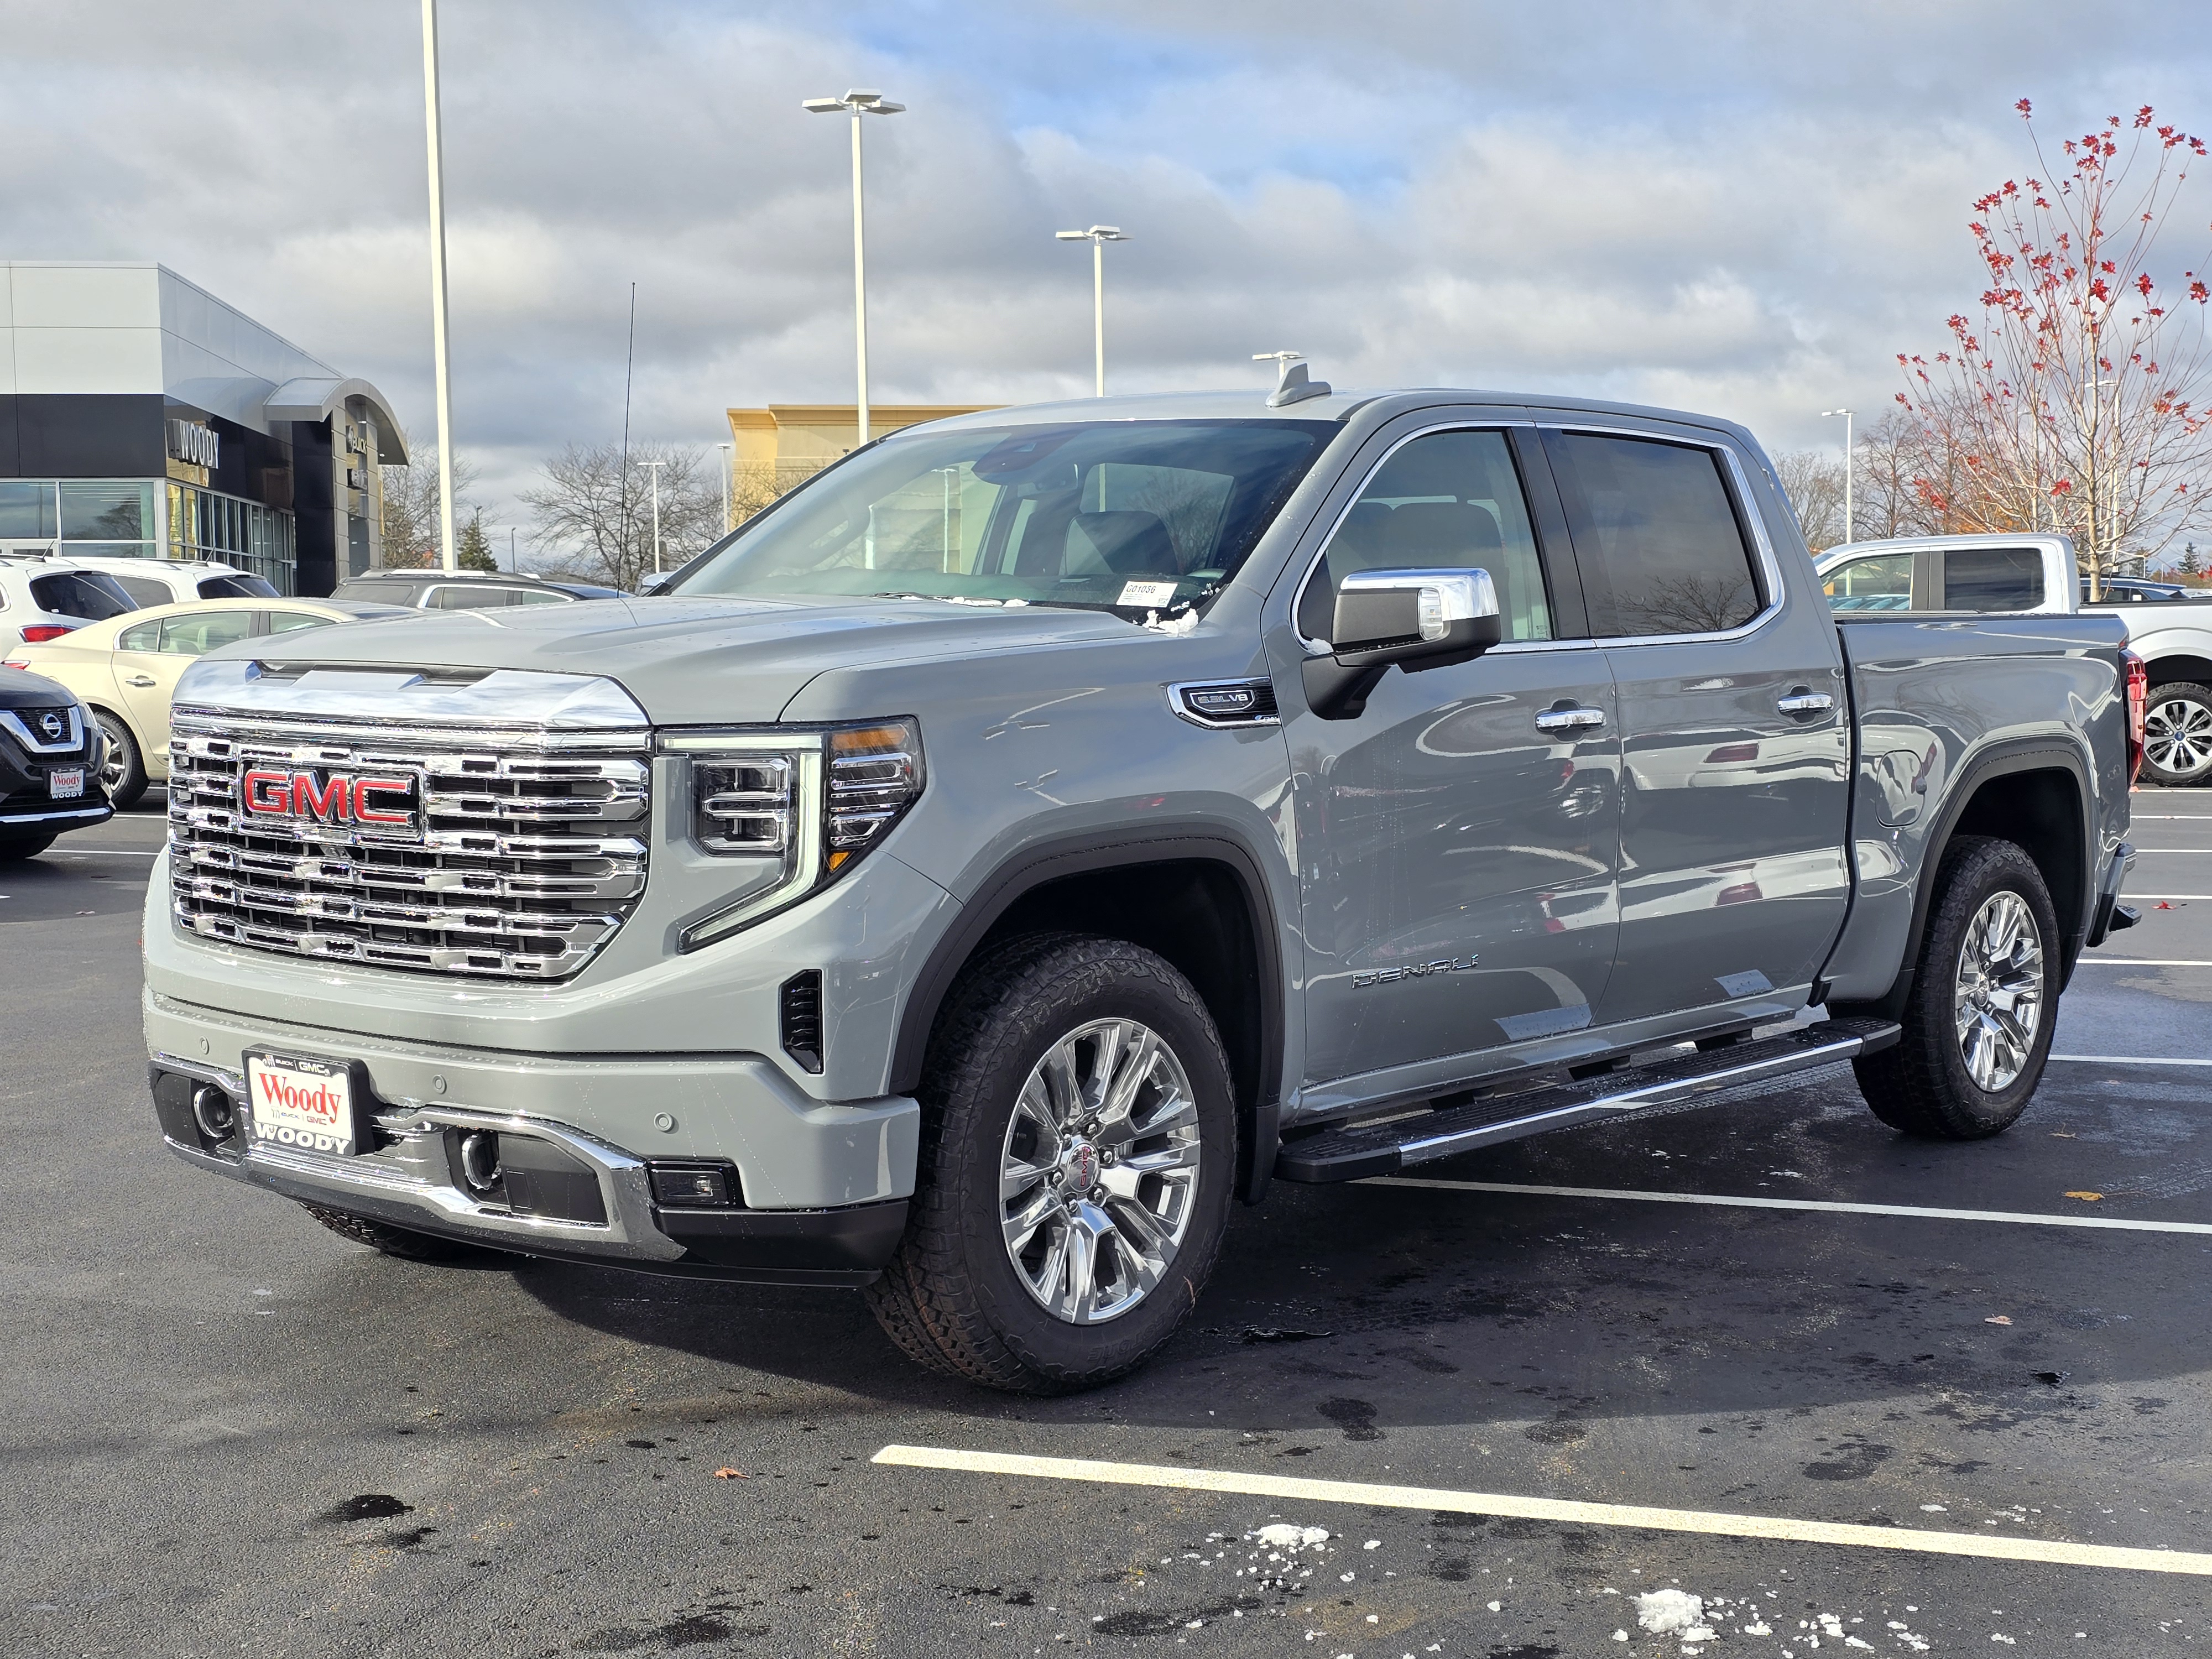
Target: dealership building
point(140, 416)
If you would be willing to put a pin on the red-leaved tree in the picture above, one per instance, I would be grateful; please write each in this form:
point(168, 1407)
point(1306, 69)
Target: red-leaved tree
point(2077, 403)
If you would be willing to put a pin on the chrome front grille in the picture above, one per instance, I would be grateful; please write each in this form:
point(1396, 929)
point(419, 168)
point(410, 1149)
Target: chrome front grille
point(527, 854)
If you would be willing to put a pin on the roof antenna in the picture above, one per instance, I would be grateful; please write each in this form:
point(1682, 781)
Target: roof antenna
point(1292, 385)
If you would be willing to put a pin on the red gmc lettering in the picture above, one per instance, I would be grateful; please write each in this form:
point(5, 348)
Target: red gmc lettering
point(364, 787)
point(330, 803)
point(268, 791)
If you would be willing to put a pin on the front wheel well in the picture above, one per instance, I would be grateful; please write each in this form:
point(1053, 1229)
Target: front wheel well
point(1192, 912)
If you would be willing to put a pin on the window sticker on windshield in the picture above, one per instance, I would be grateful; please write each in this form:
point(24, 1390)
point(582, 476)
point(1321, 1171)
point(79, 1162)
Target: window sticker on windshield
point(1147, 594)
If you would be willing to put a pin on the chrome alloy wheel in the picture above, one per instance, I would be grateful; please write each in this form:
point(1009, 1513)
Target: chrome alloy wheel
point(1099, 1172)
point(2177, 736)
point(111, 756)
point(1999, 995)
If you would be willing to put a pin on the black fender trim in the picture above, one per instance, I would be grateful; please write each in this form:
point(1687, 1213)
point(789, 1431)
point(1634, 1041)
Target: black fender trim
point(2003, 758)
point(1049, 861)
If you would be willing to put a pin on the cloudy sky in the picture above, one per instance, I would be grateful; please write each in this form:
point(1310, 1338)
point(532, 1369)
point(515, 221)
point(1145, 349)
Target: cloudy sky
point(1745, 208)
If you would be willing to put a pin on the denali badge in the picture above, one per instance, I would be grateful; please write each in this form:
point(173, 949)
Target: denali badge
point(333, 798)
point(1413, 971)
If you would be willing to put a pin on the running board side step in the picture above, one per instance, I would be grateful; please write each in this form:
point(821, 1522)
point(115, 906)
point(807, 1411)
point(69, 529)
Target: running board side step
point(1355, 1153)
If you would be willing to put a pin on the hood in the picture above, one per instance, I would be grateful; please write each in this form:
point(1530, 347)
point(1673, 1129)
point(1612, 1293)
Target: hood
point(688, 661)
point(21, 690)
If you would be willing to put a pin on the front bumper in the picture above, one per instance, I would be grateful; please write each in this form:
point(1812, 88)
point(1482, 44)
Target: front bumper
point(822, 1189)
point(38, 818)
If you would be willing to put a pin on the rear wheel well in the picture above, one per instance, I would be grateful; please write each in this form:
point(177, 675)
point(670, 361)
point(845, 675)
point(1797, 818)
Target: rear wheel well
point(2165, 671)
point(2041, 811)
point(1192, 912)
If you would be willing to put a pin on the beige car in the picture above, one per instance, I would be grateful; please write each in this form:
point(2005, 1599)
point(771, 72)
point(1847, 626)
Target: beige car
point(126, 669)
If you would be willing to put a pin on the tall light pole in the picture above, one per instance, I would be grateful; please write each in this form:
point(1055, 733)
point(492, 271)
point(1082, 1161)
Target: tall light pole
point(450, 553)
point(729, 462)
point(859, 103)
point(1097, 236)
point(654, 467)
point(1830, 414)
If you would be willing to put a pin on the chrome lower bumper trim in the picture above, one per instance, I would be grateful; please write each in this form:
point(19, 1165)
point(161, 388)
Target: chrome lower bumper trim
point(381, 1188)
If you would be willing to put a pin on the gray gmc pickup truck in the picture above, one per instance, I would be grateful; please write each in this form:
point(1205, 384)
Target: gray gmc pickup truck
point(1047, 827)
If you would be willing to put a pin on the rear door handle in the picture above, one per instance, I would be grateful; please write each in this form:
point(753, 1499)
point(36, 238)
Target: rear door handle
point(139, 679)
point(1805, 703)
point(1570, 719)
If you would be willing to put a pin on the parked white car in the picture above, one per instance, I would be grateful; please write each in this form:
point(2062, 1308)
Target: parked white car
point(180, 582)
point(43, 597)
point(2038, 575)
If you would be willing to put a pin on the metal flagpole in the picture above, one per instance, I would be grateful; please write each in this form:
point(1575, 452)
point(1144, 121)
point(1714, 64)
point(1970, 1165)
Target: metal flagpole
point(449, 552)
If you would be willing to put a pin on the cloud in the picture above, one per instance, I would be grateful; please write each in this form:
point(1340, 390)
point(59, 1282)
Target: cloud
point(1737, 208)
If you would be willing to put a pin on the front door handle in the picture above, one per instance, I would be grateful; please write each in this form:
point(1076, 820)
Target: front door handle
point(140, 679)
point(1805, 703)
point(1570, 719)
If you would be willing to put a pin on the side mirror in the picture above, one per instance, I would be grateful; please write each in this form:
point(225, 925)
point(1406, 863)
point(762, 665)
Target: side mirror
point(1416, 619)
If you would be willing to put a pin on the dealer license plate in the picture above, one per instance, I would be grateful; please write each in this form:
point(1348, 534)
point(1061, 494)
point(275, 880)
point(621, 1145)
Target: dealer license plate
point(65, 785)
point(307, 1103)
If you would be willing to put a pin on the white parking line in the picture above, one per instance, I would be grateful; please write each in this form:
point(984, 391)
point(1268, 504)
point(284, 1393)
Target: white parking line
point(2169, 817)
point(1777, 1527)
point(2165, 896)
point(2143, 962)
point(108, 852)
point(1729, 1201)
point(2125, 1060)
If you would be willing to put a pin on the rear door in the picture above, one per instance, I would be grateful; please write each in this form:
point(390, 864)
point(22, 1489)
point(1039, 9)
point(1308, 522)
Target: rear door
point(151, 681)
point(1733, 723)
point(1457, 840)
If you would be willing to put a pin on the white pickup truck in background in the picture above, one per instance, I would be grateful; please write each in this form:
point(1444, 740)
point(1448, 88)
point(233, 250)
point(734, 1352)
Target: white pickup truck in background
point(2169, 627)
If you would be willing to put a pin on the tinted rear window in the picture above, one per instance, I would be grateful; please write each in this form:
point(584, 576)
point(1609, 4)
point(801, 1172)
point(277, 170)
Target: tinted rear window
point(1655, 534)
point(1992, 578)
point(90, 594)
point(236, 587)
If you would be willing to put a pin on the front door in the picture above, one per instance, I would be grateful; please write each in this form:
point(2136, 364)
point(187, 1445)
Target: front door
point(1734, 726)
point(1457, 838)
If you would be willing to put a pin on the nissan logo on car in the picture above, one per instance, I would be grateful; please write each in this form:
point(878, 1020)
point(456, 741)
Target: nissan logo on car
point(51, 724)
point(332, 798)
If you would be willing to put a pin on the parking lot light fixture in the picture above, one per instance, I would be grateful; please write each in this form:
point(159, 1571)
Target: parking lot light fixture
point(729, 466)
point(1097, 236)
point(858, 102)
point(653, 467)
point(449, 552)
point(1830, 414)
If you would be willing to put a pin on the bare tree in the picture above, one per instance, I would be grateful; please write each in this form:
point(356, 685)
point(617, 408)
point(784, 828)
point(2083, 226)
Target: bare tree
point(2077, 402)
point(1814, 484)
point(595, 523)
point(410, 525)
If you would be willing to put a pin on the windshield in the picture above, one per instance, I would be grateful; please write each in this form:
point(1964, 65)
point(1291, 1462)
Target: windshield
point(1129, 515)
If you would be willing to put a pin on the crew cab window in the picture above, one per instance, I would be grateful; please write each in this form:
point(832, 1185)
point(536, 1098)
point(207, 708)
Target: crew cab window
point(1992, 578)
point(538, 595)
point(1447, 501)
point(140, 636)
point(1657, 538)
point(188, 637)
point(91, 595)
point(1883, 582)
point(144, 590)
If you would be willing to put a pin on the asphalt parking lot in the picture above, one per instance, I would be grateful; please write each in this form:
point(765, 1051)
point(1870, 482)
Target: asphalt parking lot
point(231, 1431)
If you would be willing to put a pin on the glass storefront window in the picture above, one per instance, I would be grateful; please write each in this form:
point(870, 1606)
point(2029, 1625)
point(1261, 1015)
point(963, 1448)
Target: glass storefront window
point(27, 509)
point(103, 511)
point(242, 534)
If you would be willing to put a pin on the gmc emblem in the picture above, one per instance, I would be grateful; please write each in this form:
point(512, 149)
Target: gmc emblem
point(332, 798)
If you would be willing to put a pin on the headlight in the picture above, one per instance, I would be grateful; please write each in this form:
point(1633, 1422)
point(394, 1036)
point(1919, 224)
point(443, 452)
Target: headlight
point(814, 801)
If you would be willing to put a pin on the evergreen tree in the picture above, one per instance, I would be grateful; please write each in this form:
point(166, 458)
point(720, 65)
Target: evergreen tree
point(2192, 562)
point(471, 549)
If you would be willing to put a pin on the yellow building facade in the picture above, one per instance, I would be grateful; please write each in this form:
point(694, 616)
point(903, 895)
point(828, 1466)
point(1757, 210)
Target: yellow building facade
point(775, 449)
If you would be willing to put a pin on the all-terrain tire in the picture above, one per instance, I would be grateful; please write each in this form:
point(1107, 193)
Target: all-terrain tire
point(123, 773)
point(952, 1297)
point(396, 1241)
point(1923, 1085)
point(2177, 735)
point(13, 847)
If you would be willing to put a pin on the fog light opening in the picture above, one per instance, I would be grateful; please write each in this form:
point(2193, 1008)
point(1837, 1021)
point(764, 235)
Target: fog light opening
point(480, 1161)
point(214, 1111)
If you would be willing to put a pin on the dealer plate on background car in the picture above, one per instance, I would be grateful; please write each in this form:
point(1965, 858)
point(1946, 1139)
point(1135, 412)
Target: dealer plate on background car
point(307, 1103)
point(65, 785)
